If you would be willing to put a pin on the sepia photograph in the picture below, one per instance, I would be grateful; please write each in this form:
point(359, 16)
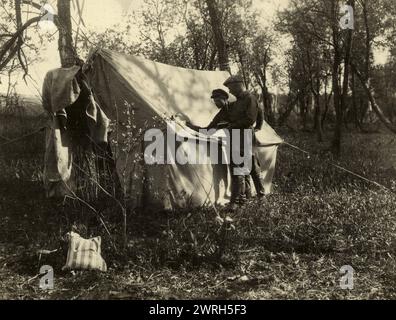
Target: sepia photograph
point(185, 152)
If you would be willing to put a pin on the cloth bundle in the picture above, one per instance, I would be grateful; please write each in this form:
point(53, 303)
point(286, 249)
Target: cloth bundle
point(84, 254)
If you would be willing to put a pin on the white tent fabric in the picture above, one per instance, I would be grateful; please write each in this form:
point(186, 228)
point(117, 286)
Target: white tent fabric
point(137, 94)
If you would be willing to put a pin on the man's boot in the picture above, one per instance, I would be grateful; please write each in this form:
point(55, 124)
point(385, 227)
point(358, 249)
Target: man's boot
point(258, 183)
point(238, 190)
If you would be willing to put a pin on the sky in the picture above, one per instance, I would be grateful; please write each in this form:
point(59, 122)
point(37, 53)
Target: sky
point(101, 14)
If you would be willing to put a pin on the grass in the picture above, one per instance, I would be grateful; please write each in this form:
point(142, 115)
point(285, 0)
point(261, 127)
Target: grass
point(289, 246)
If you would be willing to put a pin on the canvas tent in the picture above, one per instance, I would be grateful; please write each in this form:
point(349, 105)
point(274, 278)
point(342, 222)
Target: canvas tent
point(133, 95)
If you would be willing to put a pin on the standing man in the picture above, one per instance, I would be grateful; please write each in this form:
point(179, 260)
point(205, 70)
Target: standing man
point(243, 114)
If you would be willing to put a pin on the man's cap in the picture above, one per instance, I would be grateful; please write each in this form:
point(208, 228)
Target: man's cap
point(219, 93)
point(233, 79)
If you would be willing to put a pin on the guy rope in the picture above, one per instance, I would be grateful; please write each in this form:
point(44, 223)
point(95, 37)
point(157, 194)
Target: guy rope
point(342, 168)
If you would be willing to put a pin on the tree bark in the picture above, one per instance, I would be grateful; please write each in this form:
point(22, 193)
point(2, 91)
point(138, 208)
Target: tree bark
point(18, 21)
point(261, 77)
point(303, 101)
point(326, 109)
point(318, 112)
point(355, 109)
point(243, 69)
point(65, 43)
point(267, 102)
point(336, 144)
point(218, 35)
point(212, 60)
point(345, 83)
point(367, 62)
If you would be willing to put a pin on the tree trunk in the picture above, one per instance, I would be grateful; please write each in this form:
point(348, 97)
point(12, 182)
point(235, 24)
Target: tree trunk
point(243, 70)
point(65, 42)
point(367, 62)
point(336, 144)
point(326, 110)
point(374, 105)
point(345, 84)
point(218, 35)
point(267, 102)
point(326, 103)
point(18, 21)
point(354, 105)
point(303, 110)
point(318, 112)
point(212, 60)
point(355, 110)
